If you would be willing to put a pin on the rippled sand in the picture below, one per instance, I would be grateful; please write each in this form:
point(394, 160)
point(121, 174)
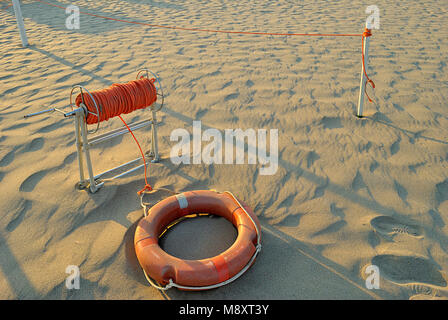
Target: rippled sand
point(348, 192)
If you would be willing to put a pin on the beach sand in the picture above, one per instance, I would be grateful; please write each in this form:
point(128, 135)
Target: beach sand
point(348, 192)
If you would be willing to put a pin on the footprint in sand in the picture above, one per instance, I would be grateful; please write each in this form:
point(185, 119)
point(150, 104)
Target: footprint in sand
point(409, 269)
point(30, 183)
point(388, 226)
point(34, 145)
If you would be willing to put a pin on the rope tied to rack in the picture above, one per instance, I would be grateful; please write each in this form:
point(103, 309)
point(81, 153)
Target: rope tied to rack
point(120, 99)
point(147, 185)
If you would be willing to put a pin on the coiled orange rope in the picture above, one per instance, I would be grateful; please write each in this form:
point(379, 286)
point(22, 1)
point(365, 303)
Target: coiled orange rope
point(120, 99)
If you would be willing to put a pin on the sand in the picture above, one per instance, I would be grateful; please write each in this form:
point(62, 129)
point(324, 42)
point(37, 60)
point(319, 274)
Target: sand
point(348, 192)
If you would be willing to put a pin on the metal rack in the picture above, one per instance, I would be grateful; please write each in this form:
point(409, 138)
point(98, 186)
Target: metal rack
point(84, 142)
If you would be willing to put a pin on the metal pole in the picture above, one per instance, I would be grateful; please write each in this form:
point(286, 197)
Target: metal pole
point(29, 115)
point(363, 76)
point(20, 23)
point(86, 147)
point(155, 146)
point(79, 148)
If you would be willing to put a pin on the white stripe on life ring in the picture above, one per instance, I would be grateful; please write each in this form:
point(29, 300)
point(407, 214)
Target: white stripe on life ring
point(183, 203)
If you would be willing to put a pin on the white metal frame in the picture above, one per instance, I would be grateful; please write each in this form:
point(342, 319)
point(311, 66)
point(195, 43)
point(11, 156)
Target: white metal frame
point(83, 142)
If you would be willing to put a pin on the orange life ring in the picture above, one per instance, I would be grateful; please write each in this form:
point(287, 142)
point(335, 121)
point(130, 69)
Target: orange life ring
point(202, 274)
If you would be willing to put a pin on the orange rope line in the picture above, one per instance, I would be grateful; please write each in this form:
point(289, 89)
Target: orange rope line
point(366, 33)
point(211, 30)
point(147, 185)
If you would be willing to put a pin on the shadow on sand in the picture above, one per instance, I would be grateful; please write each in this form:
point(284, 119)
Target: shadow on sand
point(298, 272)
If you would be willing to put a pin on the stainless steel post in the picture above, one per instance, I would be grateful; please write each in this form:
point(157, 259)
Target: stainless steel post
point(79, 148)
point(154, 144)
point(86, 147)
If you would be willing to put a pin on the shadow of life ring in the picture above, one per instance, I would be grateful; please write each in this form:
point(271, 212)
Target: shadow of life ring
point(169, 271)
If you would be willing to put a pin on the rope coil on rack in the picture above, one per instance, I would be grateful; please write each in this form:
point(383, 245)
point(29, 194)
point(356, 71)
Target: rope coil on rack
point(120, 98)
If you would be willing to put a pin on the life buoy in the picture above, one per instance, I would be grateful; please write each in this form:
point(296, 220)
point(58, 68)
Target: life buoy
point(203, 274)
